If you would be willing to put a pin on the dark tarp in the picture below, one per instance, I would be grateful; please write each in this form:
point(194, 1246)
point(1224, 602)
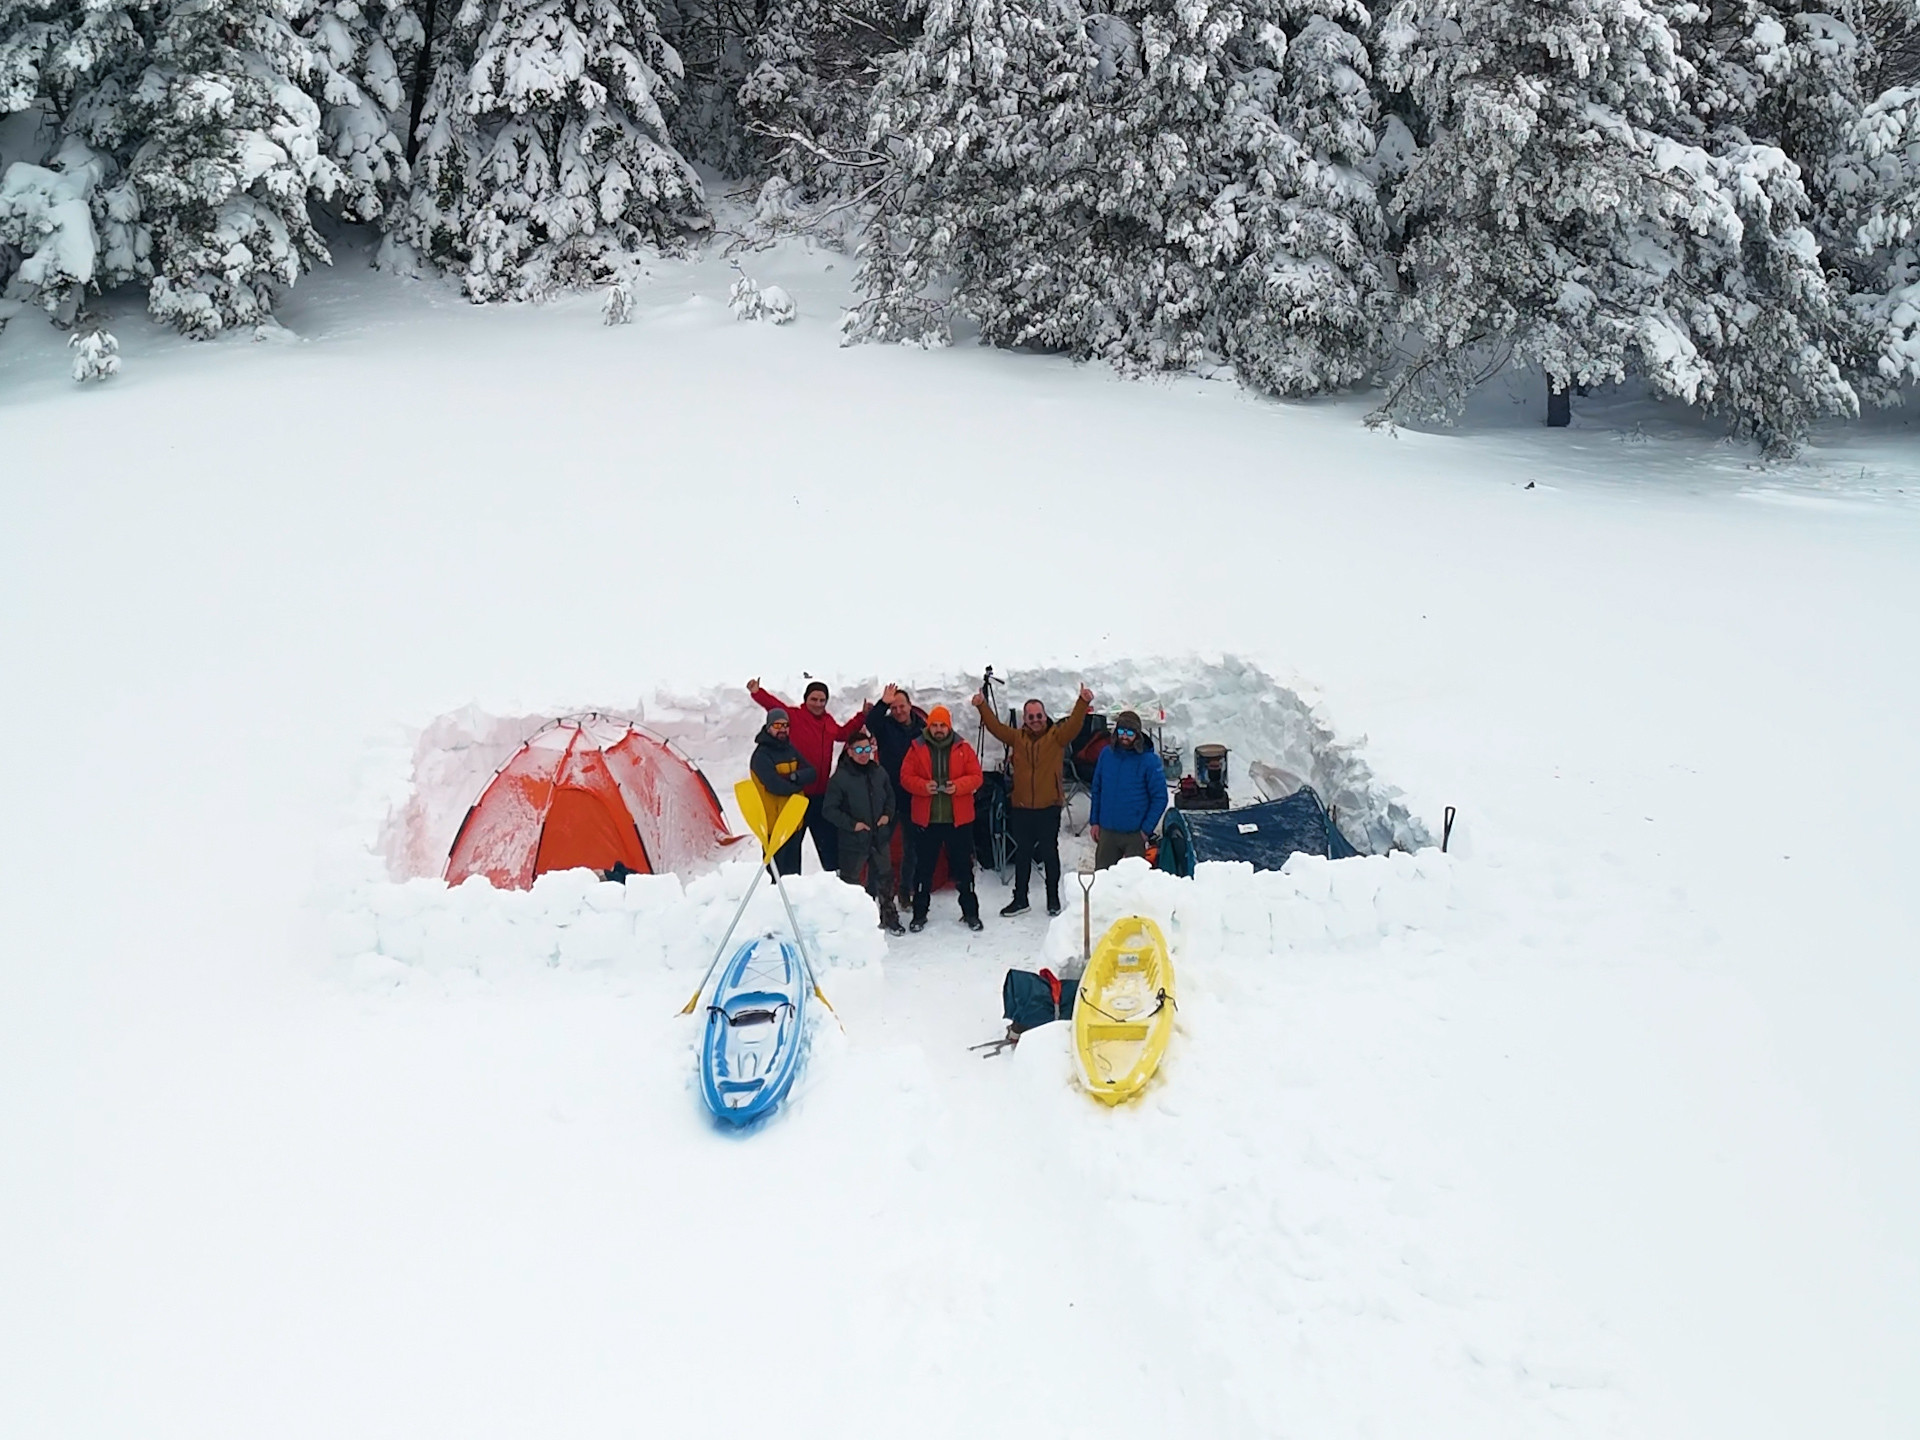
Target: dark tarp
point(1263, 835)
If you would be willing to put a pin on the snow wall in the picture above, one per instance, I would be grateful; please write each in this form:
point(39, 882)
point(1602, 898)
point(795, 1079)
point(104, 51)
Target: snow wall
point(394, 916)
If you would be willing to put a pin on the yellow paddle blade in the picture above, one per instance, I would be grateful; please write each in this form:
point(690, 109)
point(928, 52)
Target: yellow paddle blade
point(752, 809)
point(695, 1000)
point(789, 822)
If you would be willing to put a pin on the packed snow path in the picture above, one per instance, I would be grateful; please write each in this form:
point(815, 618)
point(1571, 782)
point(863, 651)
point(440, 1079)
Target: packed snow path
point(1617, 1142)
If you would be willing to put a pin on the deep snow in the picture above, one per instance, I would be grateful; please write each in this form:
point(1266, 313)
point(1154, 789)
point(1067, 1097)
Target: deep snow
point(1602, 1125)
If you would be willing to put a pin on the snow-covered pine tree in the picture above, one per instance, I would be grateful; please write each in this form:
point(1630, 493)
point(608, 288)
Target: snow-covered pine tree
point(1884, 167)
point(1159, 184)
point(780, 90)
point(1565, 203)
point(185, 134)
point(543, 150)
point(364, 51)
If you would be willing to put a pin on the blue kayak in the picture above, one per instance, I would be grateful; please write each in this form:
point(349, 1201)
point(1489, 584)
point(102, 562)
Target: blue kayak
point(756, 1031)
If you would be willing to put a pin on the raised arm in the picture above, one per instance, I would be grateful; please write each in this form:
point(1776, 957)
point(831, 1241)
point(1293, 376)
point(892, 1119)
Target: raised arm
point(1075, 718)
point(996, 727)
point(766, 699)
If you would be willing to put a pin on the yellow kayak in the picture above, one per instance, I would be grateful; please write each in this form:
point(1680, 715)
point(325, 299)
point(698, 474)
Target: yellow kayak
point(1123, 1016)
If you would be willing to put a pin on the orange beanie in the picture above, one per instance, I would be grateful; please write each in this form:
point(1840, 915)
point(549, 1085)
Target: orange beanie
point(939, 715)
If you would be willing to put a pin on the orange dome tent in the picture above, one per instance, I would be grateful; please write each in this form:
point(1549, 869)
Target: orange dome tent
point(589, 792)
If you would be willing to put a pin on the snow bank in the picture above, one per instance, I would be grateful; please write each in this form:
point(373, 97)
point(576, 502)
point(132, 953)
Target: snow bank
point(571, 920)
point(1229, 909)
point(1229, 702)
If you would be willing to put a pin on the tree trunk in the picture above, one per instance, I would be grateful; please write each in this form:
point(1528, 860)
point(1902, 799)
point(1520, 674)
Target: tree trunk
point(1559, 405)
point(422, 77)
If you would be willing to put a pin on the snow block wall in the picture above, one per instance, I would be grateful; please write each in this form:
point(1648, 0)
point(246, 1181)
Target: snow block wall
point(396, 912)
point(571, 920)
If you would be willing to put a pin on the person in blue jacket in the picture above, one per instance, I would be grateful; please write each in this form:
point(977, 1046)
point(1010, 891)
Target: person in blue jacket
point(1129, 793)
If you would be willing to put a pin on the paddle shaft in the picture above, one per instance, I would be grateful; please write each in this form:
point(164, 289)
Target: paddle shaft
point(801, 945)
point(732, 925)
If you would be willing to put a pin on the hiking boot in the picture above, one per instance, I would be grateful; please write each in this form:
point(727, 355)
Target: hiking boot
point(1053, 907)
point(973, 922)
point(890, 918)
point(919, 924)
point(1018, 906)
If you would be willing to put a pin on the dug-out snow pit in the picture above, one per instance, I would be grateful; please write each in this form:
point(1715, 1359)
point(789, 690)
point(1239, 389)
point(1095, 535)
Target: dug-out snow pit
point(398, 911)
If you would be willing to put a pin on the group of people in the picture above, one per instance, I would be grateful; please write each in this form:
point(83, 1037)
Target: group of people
point(904, 768)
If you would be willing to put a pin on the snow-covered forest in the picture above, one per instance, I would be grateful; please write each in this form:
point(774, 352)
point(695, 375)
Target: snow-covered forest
point(1717, 201)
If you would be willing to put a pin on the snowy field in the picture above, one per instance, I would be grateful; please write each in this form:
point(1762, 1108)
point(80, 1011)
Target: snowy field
point(1601, 1125)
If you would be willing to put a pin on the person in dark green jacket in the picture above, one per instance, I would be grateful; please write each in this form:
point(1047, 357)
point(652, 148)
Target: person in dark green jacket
point(859, 804)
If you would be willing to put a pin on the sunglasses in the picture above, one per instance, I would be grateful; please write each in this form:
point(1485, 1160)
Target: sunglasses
point(1126, 734)
point(861, 749)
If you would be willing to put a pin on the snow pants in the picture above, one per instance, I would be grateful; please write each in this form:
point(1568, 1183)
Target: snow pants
point(910, 841)
point(826, 835)
point(957, 841)
point(1035, 835)
point(872, 851)
point(1118, 845)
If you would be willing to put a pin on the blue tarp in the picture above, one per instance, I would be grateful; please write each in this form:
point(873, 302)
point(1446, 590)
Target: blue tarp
point(1264, 835)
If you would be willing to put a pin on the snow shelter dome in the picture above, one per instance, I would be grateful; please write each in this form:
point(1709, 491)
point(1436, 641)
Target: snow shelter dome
point(589, 792)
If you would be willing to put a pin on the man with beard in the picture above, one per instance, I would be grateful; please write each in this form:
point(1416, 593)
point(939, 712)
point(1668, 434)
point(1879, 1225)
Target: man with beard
point(941, 774)
point(779, 770)
point(1129, 794)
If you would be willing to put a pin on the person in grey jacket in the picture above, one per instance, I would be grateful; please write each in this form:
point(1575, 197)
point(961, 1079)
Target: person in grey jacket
point(859, 804)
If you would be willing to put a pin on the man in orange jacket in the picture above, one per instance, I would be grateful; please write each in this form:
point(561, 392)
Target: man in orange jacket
point(941, 774)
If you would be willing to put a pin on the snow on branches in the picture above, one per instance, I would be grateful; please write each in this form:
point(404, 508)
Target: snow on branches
point(1160, 185)
point(544, 154)
point(1565, 200)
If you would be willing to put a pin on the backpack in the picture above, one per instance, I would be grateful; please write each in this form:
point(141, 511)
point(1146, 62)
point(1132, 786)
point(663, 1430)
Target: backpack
point(1030, 1000)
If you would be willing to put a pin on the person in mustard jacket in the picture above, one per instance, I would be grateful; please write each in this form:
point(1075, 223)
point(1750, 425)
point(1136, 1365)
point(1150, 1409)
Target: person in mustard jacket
point(941, 774)
point(1038, 750)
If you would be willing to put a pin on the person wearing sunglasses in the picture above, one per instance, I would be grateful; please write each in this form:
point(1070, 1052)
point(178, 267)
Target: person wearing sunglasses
point(780, 770)
point(860, 807)
point(1129, 793)
point(1038, 751)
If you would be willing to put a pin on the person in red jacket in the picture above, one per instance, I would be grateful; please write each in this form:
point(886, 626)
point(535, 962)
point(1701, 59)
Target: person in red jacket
point(941, 773)
point(814, 733)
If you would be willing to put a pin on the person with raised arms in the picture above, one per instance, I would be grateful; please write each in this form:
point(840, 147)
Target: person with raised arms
point(814, 734)
point(1038, 750)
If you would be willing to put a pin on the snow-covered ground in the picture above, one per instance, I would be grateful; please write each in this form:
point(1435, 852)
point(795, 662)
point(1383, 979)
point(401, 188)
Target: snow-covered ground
point(1601, 1125)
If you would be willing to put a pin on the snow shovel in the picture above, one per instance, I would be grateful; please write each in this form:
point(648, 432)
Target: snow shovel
point(753, 811)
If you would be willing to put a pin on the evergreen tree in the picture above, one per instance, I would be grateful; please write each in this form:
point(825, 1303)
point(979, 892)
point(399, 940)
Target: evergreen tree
point(544, 154)
point(1162, 185)
point(781, 89)
point(363, 52)
point(186, 139)
point(1568, 203)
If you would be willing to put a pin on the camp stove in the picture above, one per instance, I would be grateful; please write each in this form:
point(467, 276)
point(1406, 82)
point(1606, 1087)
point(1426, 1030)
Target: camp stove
point(1206, 788)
